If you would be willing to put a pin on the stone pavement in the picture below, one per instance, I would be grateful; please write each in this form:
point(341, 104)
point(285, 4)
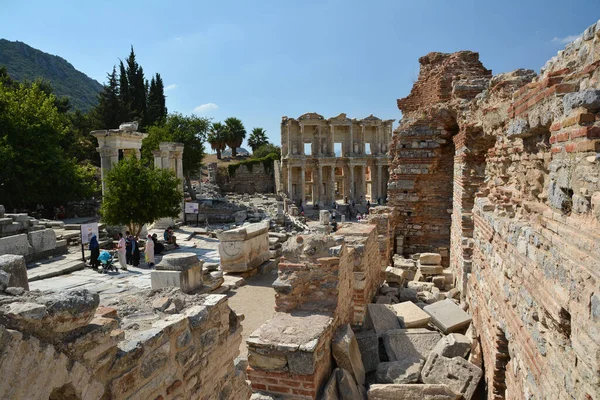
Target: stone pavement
point(55, 266)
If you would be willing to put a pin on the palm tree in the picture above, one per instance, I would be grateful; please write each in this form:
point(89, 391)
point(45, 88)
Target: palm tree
point(235, 134)
point(257, 138)
point(217, 138)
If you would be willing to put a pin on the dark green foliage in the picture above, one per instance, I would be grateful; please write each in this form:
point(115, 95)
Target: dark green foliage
point(217, 138)
point(267, 149)
point(138, 195)
point(110, 106)
point(35, 162)
point(257, 138)
point(266, 161)
point(235, 134)
point(189, 130)
point(26, 64)
point(157, 109)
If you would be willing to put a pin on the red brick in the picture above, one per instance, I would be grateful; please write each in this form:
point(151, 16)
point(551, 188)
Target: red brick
point(555, 127)
point(566, 88)
point(559, 72)
point(556, 150)
point(593, 132)
point(290, 383)
point(562, 137)
point(304, 392)
point(259, 386)
point(570, 147)
point(588, 145)
point(576, 133)
point(278, 389)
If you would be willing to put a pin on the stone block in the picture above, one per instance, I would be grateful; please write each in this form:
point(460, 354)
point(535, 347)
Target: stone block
point(44, 240)
point(341, 386)
point(447, 316)
point(410, 315)
point(420, 286)
point(324, 217)
point(15, 266)
point(395, 275)
point(429, 269)
point(243, 249)
point(453, 345)
point(410, 391)
point(347, 354)
point(406, 371)
point(589, 99)
point(16, 244)
point(409, 343)
point(381, 319)
point(457, 373)
point(439, 281)
point(368, 345)
point(182, 270)
point(430, 259)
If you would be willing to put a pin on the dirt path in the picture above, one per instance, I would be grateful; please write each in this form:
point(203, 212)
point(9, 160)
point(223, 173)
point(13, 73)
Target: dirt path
point(256, 300)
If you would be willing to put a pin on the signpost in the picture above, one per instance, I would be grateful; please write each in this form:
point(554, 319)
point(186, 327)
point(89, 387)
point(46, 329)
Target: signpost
point(191, 208)
point(87, 231)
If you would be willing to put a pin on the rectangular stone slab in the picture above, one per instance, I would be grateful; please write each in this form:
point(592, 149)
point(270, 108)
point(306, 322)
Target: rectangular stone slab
point(368, 344)
point(447, 316)
point(409, 343)
point(381, 319)
point(430, 259)
point(459, 374)
point(410, 315)
point(410, 391)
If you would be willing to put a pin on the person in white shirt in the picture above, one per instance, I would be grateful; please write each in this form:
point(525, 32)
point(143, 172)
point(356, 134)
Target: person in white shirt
point(121, 251)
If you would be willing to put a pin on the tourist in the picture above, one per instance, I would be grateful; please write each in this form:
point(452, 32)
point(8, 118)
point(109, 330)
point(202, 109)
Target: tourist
point(95, 250)
point(358, 218)
point(128, 252)
point(135, 252)
point(121, 249)
point(368, 205)
point(149, 251)
point(170, 237)
point(158, 246)
point(334, 224)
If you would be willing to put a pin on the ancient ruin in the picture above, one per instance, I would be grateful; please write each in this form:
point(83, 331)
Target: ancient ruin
point(326, 160)
point(478, 279)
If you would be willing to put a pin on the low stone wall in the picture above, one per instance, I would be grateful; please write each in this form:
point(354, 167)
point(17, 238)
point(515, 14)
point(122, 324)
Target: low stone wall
point(247, 180)
point(245, 248)
point(63, 346)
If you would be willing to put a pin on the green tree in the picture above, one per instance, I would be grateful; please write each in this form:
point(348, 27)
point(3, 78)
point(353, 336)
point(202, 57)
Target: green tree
point(34, 167)
point(109, 110)
point(124, 95)
point(217, 138)
point(137, 195)
point(235, 134)
point(137, 88)
point(257, 138)
point(267, 149)
point(191, 131)
point(156, 111)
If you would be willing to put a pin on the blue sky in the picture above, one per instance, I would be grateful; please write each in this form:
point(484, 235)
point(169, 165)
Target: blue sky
point(260, 60)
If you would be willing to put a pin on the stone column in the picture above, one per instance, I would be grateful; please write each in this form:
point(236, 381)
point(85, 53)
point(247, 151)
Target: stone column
point(332, 178)
point(106, 162)
point(363, 182)
point(320, 185)
point(352, 184)
point(301, 149)
point(351, 140)
point(289, 170)
point(289, 139)
point(332, 141)
point(362, 145)
point(379, 181)
point(302, 184)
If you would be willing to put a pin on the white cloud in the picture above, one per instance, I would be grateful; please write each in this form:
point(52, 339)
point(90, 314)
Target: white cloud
point(170, 87)
point(206, 108)
point(565, 40)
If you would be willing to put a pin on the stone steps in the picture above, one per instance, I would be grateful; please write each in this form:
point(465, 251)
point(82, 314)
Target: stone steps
point(53, 267)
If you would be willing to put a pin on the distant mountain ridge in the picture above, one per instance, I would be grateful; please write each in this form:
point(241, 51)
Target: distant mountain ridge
point(24, 63)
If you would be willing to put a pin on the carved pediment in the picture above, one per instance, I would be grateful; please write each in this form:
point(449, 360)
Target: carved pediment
point(311, 117)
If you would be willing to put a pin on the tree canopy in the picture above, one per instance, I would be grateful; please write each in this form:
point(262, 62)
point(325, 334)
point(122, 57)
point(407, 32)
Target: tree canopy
point(217, 138)
point(137, 195)
point(267, 149)
point(236, 133)
point(35, 166)
point(257, 138)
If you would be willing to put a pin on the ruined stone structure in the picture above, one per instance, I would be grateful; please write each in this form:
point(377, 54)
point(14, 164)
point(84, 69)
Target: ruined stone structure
point(170, 156)
point(501, 175)
point(114, 144)
point(243, 249)
point(311, 171)
point(63, 346)
point(251, 179)
point(324, 282)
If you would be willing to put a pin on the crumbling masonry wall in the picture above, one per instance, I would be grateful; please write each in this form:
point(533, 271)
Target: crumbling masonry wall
point(247, 179)
point(65, 346)
point(523, 211)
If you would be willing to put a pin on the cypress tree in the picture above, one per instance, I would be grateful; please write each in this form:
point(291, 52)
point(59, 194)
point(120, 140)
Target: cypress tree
point(109, 108)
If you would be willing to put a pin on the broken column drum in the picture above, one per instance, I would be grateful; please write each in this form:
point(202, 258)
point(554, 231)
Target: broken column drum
point(243, 249)
point(182, 270)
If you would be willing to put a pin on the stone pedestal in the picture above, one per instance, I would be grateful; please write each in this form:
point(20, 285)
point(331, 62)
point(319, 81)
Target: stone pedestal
point(182, 270)
point(324, 217)
point(245, 248)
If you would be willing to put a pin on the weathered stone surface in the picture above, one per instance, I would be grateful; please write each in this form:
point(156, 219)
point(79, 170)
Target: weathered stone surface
point(407, 370)
point(381, 319)
point(459, 374)
point(410, 315)
point(4, 279)
point(409, 343)
point(182, 270)
point(16, 244)
point(411, 391)
point(347, 354)
point(44, 240)
point(368, 344)
point(347, 386)
point(589, 99)
point(430, 259)
point(15, 266)
point(426, 269)
point(453, 345)
point(395, 275)
point(243, 249)
point(447, 316)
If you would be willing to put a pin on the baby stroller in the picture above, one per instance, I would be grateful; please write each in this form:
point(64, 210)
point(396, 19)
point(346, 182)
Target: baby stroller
point(107, 262)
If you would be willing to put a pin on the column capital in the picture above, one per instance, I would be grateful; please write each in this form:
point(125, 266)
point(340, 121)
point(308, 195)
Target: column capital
point(108, 151)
